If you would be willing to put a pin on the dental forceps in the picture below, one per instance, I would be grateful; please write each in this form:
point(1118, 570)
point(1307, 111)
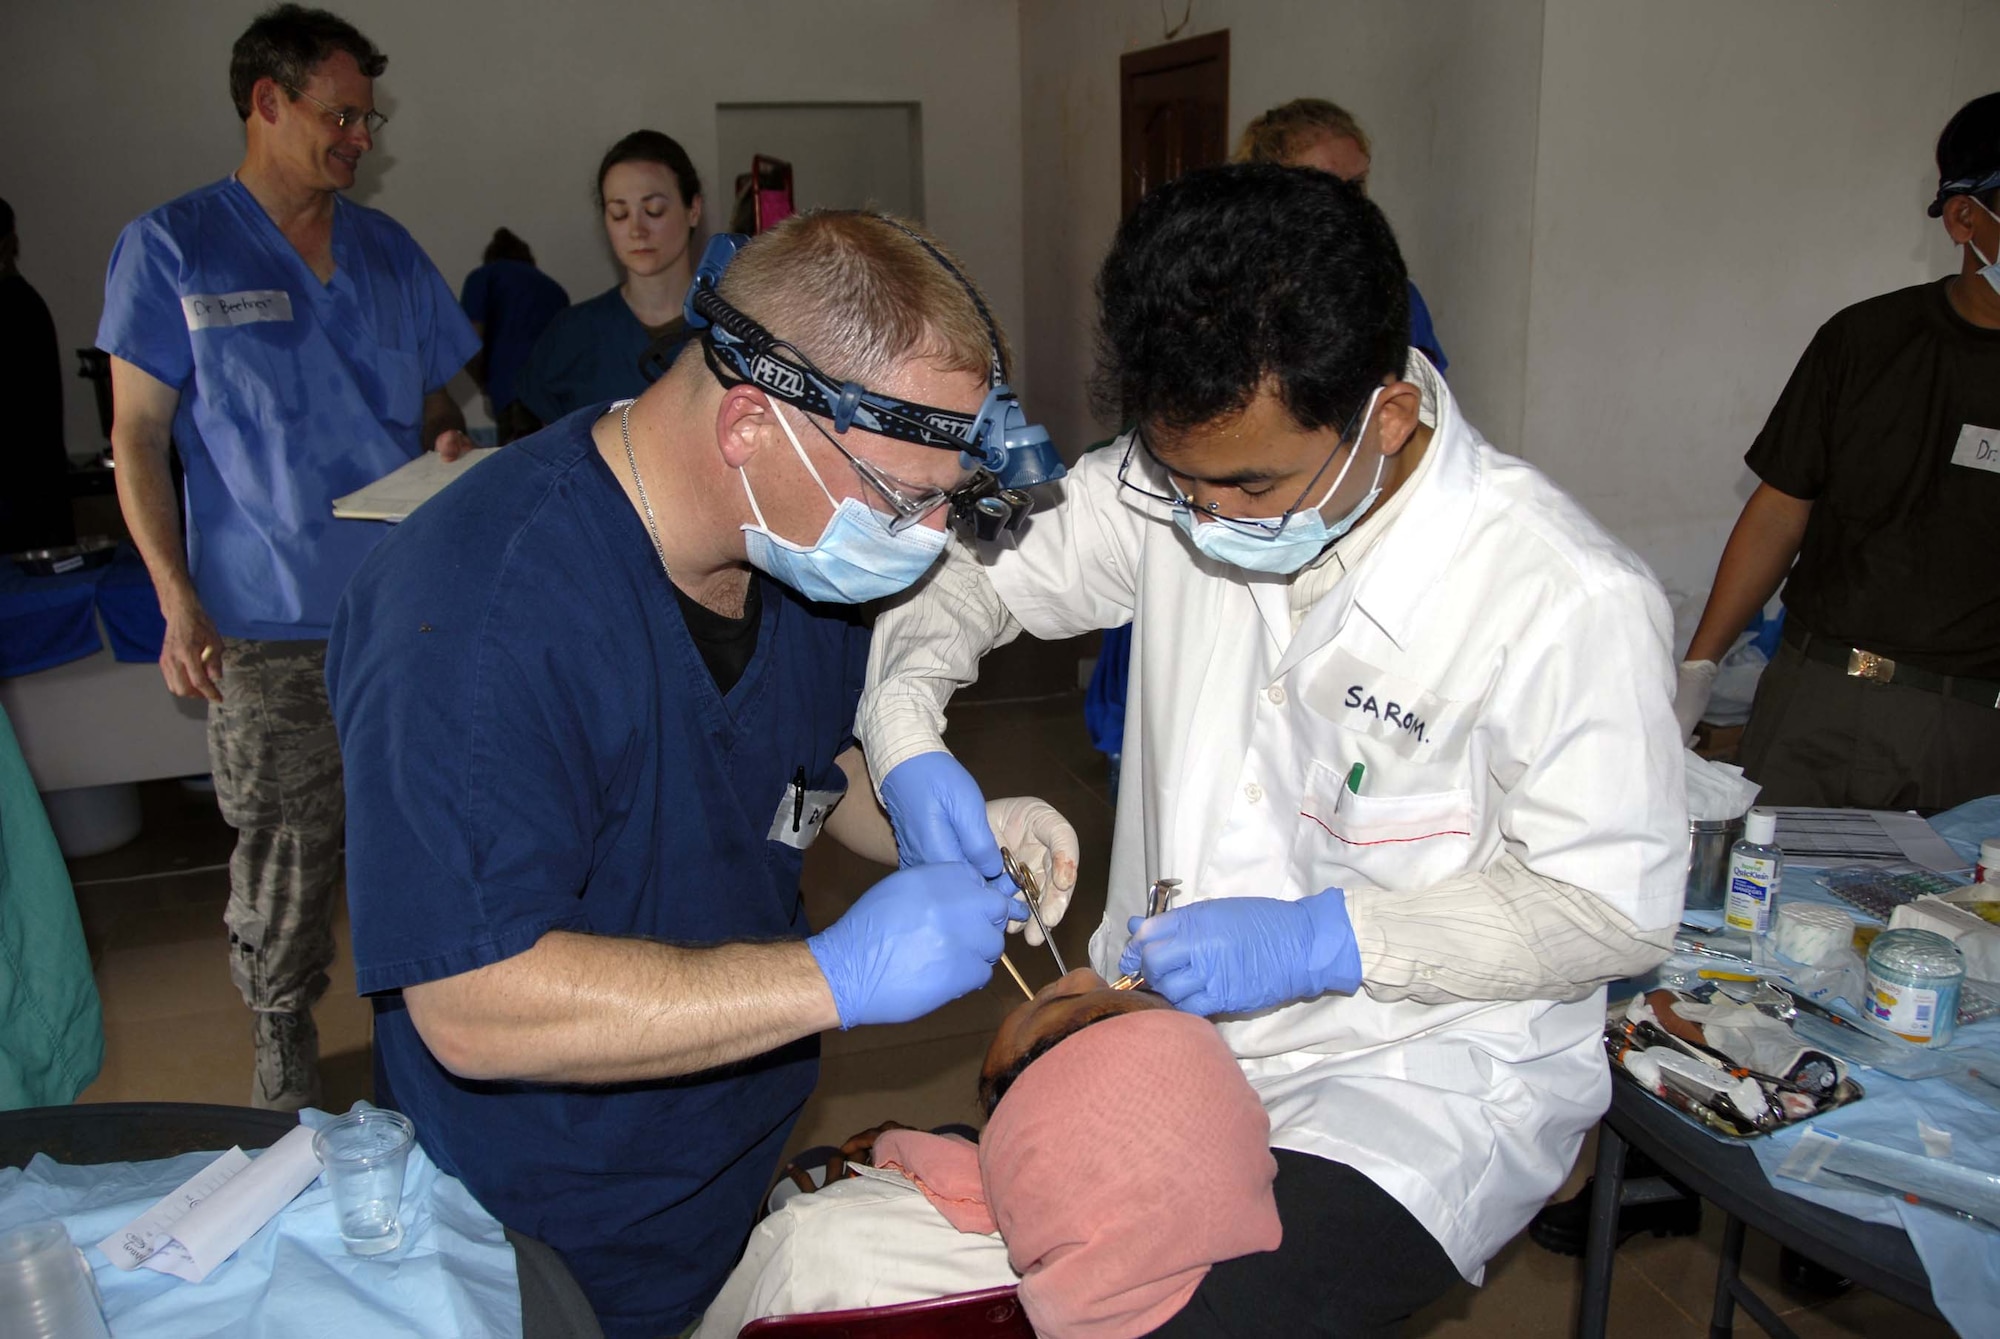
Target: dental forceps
point(1157, 899)
point(1033, 894)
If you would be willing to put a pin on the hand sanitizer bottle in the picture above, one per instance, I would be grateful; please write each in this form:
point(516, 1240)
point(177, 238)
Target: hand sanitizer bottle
point(1755, 866)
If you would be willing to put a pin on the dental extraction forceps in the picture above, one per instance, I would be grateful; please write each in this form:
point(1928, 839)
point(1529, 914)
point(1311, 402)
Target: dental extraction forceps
point(1033, 894)
point(1157, 898)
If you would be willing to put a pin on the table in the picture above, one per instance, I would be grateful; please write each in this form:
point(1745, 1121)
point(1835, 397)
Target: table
point(552, 1305)
point(93, 711)
point(1727, 1174)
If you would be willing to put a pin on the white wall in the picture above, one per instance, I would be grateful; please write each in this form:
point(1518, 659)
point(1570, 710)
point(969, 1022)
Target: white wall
point(501, 110)
point(1628, 216)
point(1447, 90)
point(843, 155)
point(1715, 179)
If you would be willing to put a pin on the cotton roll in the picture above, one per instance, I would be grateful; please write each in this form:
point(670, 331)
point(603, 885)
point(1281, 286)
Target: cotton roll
point(1812, 932)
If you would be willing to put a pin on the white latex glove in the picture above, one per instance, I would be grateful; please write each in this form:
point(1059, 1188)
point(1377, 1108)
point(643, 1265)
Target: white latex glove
point(1041, 840)
point(1692, 686)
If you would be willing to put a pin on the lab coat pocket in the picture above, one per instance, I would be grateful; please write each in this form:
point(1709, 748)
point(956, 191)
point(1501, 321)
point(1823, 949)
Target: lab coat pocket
point(1386, 841)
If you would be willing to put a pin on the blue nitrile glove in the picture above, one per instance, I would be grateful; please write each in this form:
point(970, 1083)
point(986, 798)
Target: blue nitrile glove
point(939, 814)
point(1240, 954)
point(918, 939)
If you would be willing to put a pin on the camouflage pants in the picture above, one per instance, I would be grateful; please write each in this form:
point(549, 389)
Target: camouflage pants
point(278, 781)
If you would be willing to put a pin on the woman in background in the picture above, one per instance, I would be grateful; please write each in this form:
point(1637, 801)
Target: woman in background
point(599, 350)
point(510, 303)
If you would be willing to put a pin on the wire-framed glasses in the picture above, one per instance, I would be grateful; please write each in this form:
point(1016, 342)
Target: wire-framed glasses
point(343, 117)
point(1263, 527)
point(908, 503)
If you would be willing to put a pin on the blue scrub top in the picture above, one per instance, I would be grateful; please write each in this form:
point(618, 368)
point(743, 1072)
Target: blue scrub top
point(589, 354)
point(513, 302)
point(532, 743)
point(292, 392)
point(1422, 335)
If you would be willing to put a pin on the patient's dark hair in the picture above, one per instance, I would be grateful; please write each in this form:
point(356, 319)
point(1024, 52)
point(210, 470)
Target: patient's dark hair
point(994, 1087)
point(1231, 278)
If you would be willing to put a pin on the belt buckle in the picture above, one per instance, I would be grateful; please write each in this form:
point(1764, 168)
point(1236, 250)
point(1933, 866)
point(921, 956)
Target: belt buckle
point(1867, 665)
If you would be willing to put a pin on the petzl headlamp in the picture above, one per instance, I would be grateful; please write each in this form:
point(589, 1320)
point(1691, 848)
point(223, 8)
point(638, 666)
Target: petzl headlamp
point(1013, 453)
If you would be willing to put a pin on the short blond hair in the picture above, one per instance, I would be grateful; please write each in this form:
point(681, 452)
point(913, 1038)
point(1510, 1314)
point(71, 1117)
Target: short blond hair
point(1281, 132)
point(861, 297)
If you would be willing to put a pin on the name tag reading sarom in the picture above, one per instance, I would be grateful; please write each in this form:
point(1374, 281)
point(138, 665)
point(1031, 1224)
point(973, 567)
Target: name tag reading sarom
point(207, 310)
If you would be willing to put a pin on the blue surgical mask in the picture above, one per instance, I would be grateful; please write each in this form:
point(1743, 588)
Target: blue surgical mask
point(1990, 270)
point(855, 559)
point(1305, 535)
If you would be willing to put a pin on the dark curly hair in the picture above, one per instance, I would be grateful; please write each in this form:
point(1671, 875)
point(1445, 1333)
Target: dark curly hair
point(286, 44)
point(1229, 277)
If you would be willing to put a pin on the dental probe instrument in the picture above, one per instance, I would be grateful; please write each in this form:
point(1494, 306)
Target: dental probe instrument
point(1157, 898)
point(1015, 972)
point(1033, 895)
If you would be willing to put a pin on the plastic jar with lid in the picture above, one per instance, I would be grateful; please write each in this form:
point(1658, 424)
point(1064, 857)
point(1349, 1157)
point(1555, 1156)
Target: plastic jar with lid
point(1989, 862)
point(1914, 978)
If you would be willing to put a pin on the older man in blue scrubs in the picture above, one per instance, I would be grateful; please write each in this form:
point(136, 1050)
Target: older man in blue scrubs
point(293, 347)
point(574, 878)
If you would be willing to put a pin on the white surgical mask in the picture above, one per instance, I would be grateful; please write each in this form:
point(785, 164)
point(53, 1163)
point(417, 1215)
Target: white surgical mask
point(1304, 535)
point(1990, 270)
point(855, 559)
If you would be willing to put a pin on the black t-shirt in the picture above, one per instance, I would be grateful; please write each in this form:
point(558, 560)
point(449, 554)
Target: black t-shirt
point(726, 644)
point(1890, 425)
point(34, 468)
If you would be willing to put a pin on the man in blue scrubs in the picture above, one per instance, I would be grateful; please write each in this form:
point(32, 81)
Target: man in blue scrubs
point(595, 700)
point(293, 347)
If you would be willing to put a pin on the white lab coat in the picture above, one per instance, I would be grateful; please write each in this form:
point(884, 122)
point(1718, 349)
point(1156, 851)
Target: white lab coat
point(1503, 669)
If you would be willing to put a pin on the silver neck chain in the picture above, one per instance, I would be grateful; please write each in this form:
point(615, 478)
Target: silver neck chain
point(645, 504)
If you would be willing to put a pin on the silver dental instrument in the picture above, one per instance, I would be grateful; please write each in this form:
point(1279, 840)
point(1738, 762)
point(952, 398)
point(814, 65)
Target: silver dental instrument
point(1158, 898)
point(1033, 895)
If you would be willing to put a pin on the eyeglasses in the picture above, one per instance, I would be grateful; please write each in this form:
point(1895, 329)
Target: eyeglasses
point(343, 117)
point(908, 503)
point(1264, 527)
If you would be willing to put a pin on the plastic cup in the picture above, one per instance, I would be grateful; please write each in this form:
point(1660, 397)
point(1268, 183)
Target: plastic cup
point(46, 1291)
point(364, 1153)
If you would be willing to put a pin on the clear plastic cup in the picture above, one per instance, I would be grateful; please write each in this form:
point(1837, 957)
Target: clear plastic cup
point(364, 1153)
point(46, 1291)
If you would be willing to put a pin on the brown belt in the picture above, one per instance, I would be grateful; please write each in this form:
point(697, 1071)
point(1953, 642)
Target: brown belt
point(1861, 664)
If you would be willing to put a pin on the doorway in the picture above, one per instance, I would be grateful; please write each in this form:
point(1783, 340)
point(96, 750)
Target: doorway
point(1173, 112)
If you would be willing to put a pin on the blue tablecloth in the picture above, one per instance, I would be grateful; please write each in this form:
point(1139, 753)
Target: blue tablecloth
point(1962, 1257)
point(454, 1274)
point(49, 621)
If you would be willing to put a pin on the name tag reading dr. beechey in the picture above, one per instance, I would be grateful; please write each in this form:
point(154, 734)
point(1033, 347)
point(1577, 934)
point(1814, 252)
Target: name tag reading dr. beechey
point(207, 310)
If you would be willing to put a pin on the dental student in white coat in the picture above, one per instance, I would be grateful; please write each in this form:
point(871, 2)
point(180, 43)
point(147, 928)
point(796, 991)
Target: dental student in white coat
point(1401, 722)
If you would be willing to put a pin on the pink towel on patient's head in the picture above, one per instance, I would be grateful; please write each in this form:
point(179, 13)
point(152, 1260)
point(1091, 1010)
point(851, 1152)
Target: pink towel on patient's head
point(1118, 1168)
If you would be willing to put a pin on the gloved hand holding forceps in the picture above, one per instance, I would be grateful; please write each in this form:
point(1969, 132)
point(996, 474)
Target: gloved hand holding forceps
point(1241, 954)
point(939, 814)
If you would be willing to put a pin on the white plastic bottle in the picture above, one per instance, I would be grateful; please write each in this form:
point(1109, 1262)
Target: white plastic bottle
point(1755, 866)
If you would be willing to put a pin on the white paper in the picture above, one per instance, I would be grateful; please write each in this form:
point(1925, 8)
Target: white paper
point(396, 494)
point(1861, 837)
point(203, 1221)
point(130, 1245)
point(1716, 791)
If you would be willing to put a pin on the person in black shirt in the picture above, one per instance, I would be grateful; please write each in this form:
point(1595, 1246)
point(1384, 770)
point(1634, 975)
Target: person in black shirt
point(34, 489)
point(1878, 506)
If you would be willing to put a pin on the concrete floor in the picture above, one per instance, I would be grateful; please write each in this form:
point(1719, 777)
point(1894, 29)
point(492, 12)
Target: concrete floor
point(175, 1030)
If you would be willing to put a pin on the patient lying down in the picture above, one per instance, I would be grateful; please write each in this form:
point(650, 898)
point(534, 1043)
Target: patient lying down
point(1124, 1154)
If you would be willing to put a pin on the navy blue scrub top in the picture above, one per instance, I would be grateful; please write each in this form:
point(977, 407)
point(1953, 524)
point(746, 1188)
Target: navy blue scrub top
point(533, 743)
point(513, 302)
point(590, 353)
point(1422, 333)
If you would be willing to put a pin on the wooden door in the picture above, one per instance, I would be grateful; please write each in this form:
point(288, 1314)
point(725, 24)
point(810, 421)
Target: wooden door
point(1173, 111)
